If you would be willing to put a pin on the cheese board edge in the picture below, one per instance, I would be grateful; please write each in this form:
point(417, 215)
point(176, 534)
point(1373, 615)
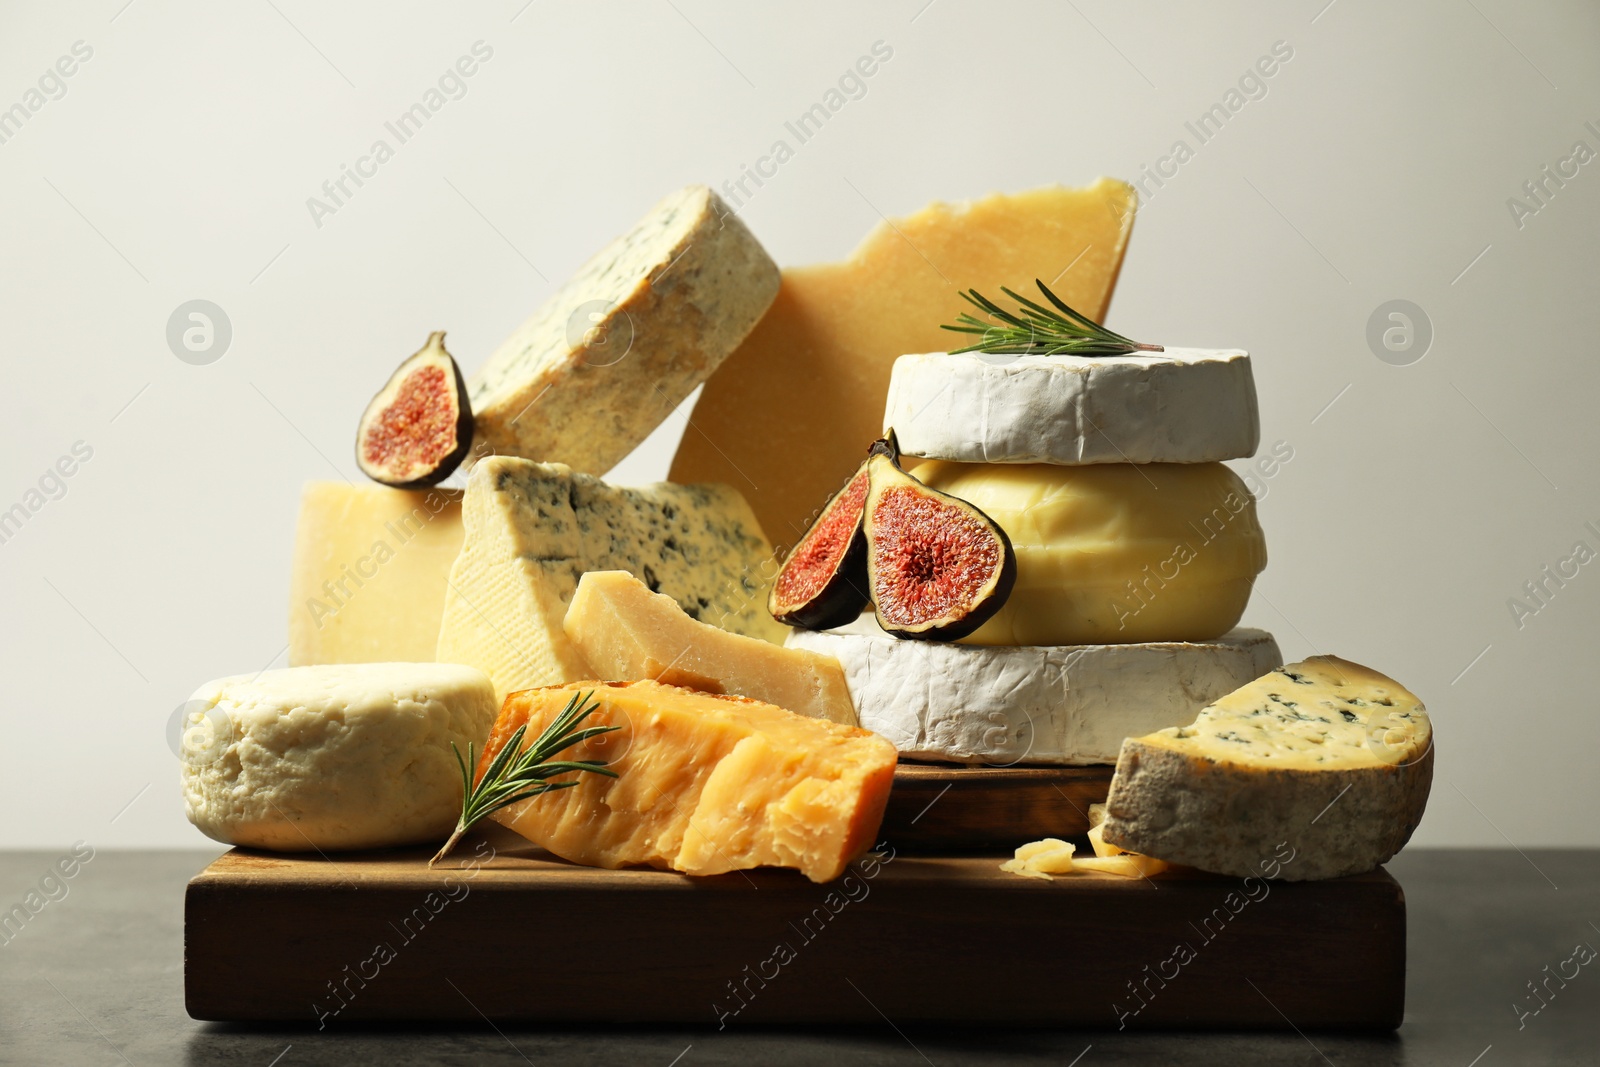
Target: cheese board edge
point(641, 946)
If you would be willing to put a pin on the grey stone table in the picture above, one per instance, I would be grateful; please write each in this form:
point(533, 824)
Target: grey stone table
point(96, 977)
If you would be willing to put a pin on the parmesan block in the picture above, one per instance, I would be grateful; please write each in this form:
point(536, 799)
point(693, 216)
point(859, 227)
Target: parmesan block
point(609, 356)
point(336, 756)
point(533, 529)
point(368, 578)
point(1116, 552)
point(1328, 757)
point(627, 633)
point(1184, 405)
point(706, 783)
point(811, 379)
point(1070, 705)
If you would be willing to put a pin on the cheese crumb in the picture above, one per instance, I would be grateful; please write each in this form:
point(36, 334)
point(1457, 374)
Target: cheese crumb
point(1041, 859)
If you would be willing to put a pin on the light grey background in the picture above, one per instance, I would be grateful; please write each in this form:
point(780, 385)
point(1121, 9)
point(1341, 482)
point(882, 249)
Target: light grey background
point(1376, 166)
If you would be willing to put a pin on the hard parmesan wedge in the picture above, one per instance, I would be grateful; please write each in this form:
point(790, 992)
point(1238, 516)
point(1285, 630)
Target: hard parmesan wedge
point(628, 633)
point(705, 783)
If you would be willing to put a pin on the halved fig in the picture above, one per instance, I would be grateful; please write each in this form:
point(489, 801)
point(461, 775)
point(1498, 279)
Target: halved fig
point(418, 429)
point(823, 582)
point(937, 567)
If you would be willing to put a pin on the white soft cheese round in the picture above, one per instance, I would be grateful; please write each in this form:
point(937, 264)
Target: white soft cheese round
point(1069, 704)
point(339, 756)
point(1184, 405)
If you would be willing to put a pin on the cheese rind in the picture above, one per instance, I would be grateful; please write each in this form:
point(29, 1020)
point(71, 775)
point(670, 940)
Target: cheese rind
point(1327, 758)
point(336, 756)
point(811, 378)
point(1184, 405)
point(368, 578)
point(705, 783)
point(627, 633)
point(533, 529)
point(609, 356)
point(1071, 705)
point(1114, 552)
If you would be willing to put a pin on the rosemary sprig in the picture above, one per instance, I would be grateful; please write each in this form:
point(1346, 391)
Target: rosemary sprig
point(512, 775)
point(1039, 331)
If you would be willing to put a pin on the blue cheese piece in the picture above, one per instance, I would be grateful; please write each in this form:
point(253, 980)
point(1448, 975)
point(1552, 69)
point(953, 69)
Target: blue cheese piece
point(1184, 405)
point(617, 348)
point(1062, 704)
point(1316, 770)
point(534, 529)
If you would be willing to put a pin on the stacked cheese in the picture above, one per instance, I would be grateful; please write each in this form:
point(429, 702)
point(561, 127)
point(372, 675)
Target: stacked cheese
point(1136, 550)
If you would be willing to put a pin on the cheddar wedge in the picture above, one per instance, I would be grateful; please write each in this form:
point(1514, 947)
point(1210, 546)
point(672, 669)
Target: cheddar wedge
point(628, 633)
point(367, 582)
point(706, 783)
point(791, 412)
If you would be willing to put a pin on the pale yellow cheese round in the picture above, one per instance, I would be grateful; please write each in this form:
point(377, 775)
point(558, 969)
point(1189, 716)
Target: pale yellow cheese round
point(333, 756)
point(1116, 552)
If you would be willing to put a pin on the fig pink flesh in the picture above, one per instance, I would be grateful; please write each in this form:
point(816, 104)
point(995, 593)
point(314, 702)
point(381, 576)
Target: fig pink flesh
point(931, 560)
point(815, 558)
point(418, 428)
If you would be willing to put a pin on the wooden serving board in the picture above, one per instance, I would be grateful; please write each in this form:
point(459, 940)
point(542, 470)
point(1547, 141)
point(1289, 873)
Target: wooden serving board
point(509, 933)
point(942, 808)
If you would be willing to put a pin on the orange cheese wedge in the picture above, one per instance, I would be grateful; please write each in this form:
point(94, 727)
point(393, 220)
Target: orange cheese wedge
point(706, 783)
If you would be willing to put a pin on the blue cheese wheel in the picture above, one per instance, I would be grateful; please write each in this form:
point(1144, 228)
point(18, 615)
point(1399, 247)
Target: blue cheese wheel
point(1319, 769)
point(612, 352)
point(1184, 405)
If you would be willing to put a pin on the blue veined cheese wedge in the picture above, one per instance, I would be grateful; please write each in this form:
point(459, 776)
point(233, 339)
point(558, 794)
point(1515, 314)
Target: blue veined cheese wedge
point(1319, 769)
point(534, 529)
point(610, 355)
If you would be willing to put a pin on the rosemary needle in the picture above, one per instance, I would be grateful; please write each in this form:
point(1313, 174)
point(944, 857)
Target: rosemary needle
point(1037, 330)
point(516, 774)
